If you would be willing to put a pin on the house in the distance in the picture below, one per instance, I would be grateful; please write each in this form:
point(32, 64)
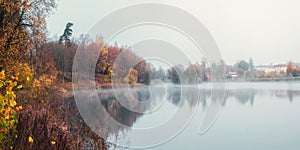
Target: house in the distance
point(231, 72)
point(280, 67)
point(275, 70)
point(232, 75)
point(265, 68)
point(295, 69)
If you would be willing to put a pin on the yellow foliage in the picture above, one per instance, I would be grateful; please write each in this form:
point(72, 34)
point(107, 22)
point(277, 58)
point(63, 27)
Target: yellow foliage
point(132, 76)
point(19, 108)
point(41, 89)
point(8, 120)
point(22, 74)
point(30, 139)
point(22, 27)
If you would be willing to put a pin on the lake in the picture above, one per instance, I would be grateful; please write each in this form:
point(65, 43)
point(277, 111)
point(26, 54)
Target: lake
point(253, 115)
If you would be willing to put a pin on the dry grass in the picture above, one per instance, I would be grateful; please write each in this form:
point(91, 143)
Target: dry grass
point(55, 124)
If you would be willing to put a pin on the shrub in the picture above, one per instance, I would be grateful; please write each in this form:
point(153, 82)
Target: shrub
point(8, 108)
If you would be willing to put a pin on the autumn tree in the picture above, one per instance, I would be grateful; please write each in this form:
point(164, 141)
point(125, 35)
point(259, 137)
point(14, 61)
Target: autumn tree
point(132, 77)
point(22, 29)
point(143, 70)
point(116, 62)
point(53, 58)
point(192, 74)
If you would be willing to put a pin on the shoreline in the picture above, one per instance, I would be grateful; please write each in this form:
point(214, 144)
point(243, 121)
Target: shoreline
point(267, 79)
point(109, 85)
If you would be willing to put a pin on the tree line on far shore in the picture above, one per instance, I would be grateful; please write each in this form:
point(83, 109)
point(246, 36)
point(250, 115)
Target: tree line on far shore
point(241, 70)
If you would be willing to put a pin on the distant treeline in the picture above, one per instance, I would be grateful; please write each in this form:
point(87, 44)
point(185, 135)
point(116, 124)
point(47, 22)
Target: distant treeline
point(128, 68)
point(241, 70)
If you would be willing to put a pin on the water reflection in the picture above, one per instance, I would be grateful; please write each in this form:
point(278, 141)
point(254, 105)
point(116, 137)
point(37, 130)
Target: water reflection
point(178, 96)
point(112, 102)
point(243, 96)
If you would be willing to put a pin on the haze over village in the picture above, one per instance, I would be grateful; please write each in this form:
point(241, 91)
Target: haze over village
point(244, 69)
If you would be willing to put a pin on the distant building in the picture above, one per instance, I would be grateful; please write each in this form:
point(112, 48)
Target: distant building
point(232, 75)
point(231, 72)
point(296, 65)
point(274, 68)
point(265, 68)
point(280, 67)
point(296, 69)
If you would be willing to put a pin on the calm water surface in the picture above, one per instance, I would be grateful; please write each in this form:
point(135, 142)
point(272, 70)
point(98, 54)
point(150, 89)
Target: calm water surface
point(254, 115)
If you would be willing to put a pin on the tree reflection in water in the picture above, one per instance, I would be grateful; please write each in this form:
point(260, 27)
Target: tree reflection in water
point(177, 95)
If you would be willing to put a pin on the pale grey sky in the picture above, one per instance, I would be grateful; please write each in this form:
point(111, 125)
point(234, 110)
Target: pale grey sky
point(266, 30)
